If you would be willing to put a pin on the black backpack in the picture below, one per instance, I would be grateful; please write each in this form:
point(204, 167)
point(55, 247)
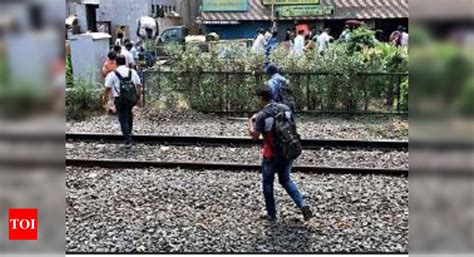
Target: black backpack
point(128, 92)
point(286, 141)
point(284, 95)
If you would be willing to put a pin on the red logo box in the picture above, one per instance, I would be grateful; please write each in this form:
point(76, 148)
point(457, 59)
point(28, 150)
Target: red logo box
point(23, 224)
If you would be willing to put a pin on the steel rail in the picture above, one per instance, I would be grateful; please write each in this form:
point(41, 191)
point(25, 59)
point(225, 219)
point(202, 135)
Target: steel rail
point(218, 140)
point(134, 164)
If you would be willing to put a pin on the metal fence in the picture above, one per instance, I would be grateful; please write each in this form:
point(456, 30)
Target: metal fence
point(234, 91)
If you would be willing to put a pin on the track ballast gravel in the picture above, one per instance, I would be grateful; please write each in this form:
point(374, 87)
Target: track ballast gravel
point(191, 123)
point(156, 210)
point(245, 155)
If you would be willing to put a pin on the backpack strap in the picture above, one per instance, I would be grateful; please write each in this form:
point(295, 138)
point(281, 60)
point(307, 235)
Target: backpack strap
point(118, 75)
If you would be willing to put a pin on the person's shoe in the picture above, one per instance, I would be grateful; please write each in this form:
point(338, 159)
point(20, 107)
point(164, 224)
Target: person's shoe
point(269, 218)
point(307, 214)
point(126, 146)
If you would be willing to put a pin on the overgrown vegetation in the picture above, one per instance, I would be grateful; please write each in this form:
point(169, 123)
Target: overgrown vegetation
point(81, 100)
point(198, 78)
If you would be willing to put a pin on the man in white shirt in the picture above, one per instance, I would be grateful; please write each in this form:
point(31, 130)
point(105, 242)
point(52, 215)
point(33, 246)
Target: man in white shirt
point(124, 108)
point(268, 35)
point(128, 56)
point(323, 41)
point(127, 52)
point(258, 46)
point(404, 37)
point(299, 44)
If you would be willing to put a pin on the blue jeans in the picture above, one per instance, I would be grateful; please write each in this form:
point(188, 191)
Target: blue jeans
point(125, 117)
point(283, 169)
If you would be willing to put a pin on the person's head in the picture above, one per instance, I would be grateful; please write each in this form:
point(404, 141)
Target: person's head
point(120, 35)
point(264, 92)
point(149, 32)
point(327, 30)
point(122, 27)
point(271, 69)
point(274, 33)
point(261, 31)
point(400, 28)
point(120, 60)
point(348, 26)
point(128, 45)
point(301, 32)
point(126, 41)
point(117, 49)
point(112, 55)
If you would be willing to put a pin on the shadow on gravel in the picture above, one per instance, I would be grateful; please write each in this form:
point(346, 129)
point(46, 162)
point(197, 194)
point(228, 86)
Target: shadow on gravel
point(288, 236)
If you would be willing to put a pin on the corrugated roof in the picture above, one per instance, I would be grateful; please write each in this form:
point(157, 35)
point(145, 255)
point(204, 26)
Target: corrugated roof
point(343, 9)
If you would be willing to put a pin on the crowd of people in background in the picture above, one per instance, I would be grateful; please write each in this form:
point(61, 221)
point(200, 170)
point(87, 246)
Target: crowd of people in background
point(298, 42)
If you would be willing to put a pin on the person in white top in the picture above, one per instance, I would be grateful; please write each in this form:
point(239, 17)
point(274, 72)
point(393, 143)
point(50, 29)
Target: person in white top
point(323, 41)
point(268, 35)
point(298, 47)
point(124, 108)
point(404, 37)
point(128, 56)
point(258, 46)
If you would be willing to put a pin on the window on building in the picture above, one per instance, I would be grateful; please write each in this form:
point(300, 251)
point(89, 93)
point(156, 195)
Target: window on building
point(174, 8)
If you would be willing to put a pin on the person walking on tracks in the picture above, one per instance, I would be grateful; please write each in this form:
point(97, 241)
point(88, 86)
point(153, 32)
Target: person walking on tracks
point(281, 145)
point(126, 89)
point(280, 87)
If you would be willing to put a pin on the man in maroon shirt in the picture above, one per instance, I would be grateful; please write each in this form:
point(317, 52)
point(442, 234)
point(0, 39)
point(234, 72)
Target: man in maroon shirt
point(262, 123)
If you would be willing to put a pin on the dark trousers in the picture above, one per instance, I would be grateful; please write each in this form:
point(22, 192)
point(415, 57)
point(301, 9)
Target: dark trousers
point(125, 117)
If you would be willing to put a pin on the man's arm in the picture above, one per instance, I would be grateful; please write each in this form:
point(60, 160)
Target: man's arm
point(105, 98)
point(251, 128)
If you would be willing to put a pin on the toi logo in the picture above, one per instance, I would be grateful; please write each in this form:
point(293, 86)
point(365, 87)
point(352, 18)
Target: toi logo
point(23, 224)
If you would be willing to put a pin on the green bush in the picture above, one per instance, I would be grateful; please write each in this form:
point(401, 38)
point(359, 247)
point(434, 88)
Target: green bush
point(82, 100)
point(195, 75)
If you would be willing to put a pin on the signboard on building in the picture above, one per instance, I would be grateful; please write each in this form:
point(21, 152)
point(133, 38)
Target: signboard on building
point(225, 5)
point(220, 22)
point(289, 2)
point(305, 10)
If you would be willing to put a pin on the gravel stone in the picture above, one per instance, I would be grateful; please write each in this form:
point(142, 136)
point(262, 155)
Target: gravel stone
point(157, 210)
point(248, 155)
point(191, 123)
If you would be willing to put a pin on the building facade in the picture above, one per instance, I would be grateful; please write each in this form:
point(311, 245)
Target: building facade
point(117, 13)
point(386, 15)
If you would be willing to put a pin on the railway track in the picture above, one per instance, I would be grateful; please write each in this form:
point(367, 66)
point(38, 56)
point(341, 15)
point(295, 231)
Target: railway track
point(121, 164)
point(311, 144)
point(201, 140)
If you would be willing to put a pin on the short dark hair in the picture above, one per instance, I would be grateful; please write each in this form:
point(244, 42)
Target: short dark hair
point(301, 32)
point(112, 55)
point(265, 92)
point(125, 41)
point(121, 60)
point(117, 49)
point(128, 45)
